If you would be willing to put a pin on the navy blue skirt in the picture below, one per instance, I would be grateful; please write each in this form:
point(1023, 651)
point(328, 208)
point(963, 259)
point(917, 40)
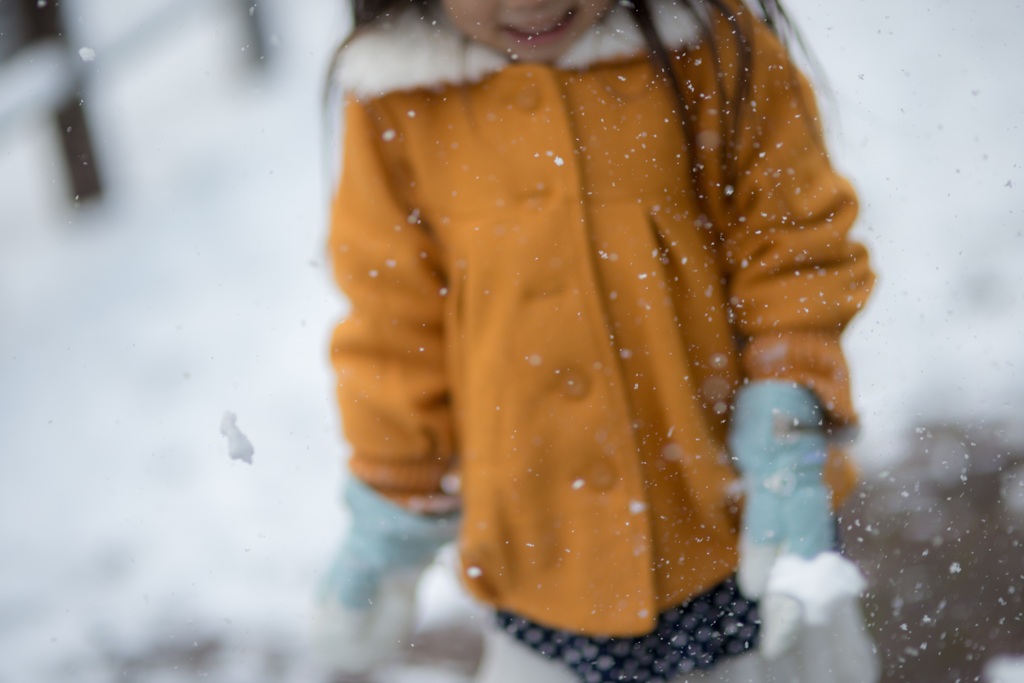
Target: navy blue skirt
point(697, 634)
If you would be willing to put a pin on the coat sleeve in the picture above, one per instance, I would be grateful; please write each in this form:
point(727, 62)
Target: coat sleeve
point(388, 351)
point(795, 278)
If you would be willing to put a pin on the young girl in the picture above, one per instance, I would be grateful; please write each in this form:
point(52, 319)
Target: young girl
point(598, 268)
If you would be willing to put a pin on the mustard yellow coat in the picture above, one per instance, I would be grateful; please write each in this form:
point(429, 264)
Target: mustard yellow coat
point(542, 310)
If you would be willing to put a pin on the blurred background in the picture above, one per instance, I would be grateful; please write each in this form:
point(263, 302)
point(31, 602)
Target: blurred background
point(179, 273)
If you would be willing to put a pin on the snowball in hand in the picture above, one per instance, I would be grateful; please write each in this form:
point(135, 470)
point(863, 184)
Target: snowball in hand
point(821, 585)
point(239, 446)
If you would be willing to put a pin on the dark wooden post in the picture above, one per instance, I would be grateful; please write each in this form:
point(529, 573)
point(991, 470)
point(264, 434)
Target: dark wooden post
point(44, 21)
point(255, 31)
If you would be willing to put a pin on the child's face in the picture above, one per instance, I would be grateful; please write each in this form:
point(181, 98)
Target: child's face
point(532, 30)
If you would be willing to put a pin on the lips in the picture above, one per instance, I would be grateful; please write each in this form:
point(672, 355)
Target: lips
point(541, 33)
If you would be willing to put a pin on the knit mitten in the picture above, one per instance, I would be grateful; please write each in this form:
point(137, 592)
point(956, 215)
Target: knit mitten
point(366, 602)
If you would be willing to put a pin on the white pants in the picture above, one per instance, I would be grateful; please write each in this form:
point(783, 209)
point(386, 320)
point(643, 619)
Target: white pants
point(840, 652)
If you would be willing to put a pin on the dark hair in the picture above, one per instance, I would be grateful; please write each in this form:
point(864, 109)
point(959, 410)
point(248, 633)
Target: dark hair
point(366, 12)
point(774, 16)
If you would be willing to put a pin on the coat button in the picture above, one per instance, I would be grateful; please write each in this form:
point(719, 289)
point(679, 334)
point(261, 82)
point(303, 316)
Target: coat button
point(528, 98)
point(574, 383)
point(535, 198)
point(602, 475)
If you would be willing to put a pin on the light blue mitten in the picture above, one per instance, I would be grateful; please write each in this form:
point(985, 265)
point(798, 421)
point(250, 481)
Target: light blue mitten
point(366, 602)
point(779, 446)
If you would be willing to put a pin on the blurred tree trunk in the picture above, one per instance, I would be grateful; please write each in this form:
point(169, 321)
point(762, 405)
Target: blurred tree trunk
point(43, 21)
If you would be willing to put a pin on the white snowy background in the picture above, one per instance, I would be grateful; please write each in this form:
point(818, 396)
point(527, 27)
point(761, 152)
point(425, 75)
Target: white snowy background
point(133, 547)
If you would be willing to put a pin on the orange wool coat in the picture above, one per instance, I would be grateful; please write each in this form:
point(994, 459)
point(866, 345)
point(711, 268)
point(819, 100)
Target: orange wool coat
point(542, 310)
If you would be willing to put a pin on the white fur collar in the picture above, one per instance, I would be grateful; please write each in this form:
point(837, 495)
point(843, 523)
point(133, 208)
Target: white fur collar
point(409, 52)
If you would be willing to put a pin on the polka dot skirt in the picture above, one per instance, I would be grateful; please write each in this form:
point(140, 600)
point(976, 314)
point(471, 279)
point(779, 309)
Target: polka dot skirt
point(695, 635)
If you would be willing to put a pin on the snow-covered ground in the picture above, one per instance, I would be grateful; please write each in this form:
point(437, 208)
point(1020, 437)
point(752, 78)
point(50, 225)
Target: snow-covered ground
point(133, 545)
